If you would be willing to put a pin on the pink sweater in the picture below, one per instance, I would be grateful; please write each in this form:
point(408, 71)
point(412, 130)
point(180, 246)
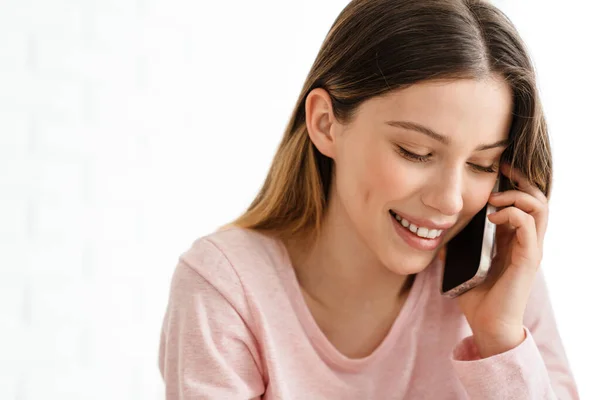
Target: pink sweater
point(237, 327)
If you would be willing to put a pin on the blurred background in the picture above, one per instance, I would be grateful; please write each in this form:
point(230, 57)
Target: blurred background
point(129, 128)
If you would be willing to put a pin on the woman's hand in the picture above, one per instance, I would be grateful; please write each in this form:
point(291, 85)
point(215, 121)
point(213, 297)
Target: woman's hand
point(495, 309)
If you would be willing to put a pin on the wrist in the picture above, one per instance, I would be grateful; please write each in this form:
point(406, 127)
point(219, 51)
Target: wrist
point(491, 344)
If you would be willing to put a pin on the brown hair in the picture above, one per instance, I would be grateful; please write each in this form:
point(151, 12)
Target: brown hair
point(377, 46)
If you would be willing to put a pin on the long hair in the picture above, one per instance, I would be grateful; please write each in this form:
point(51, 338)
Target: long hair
point(377, 46)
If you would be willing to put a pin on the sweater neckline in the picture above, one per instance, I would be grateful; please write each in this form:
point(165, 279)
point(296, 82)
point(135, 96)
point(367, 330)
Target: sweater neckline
point(319, 340)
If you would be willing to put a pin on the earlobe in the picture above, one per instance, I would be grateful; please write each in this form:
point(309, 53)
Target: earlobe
point(319, 121)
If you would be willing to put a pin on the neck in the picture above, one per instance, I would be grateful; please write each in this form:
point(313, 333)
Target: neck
point(340, 272)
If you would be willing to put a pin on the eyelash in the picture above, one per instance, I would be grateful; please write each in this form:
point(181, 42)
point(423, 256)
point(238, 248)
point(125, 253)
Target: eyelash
point(419, 158)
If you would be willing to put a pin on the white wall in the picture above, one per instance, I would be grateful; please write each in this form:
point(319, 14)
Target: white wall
point(128, 128)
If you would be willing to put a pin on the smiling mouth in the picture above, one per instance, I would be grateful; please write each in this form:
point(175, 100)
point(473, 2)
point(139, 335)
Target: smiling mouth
point(420, 231)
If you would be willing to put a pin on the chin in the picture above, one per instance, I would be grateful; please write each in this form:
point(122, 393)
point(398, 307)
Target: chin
point(411, 264)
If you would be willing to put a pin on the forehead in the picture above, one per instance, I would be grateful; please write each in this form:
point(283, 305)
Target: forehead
point(458, 108)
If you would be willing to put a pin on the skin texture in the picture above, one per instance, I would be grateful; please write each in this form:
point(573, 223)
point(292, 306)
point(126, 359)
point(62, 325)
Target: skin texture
point(353, 277)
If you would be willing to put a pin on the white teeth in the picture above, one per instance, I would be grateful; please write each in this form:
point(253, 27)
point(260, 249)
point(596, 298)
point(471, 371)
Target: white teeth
point(419, 230)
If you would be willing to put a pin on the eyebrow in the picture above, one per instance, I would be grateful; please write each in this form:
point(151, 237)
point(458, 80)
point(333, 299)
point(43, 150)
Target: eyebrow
point(413, 126)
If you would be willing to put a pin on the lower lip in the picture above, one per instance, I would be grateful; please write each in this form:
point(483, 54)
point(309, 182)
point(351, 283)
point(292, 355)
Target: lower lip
point(413, 240)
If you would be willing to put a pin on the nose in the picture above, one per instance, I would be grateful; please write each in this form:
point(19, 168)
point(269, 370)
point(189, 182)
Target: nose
point(444, 193)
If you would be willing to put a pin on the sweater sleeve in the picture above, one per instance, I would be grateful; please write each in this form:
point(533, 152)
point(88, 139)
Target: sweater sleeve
point(535, 369)
point(207, 349)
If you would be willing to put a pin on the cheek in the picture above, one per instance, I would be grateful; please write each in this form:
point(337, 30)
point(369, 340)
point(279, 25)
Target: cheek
point(475, 199)
point(366, 177)
point(382, 179)
point(396, 178)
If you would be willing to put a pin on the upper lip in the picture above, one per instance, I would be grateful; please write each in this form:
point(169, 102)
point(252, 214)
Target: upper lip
point(425, 223)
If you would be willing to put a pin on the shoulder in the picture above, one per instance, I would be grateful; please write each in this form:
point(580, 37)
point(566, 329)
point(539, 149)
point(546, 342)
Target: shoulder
point(243, 246)
point(218, 274)
point(227, 258)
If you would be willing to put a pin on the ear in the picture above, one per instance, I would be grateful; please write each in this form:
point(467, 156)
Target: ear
point(320, 121)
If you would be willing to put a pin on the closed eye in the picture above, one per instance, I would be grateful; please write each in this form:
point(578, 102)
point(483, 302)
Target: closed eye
point(412, 156)
point(492, 169)
point(424, 158)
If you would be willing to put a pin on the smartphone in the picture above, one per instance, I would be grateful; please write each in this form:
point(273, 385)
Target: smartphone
point(469, 254)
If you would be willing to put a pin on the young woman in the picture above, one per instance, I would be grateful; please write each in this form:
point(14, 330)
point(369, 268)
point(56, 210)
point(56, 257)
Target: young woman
point(410, 112)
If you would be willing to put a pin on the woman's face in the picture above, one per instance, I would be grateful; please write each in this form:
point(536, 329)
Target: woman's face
point(386, 162)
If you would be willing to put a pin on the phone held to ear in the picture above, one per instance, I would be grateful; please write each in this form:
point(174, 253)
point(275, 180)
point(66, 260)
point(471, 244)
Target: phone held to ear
point(469, 254)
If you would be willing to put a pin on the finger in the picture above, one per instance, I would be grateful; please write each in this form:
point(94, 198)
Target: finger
point(515, 175)
point(519, 199)
point(524, 230)
point(528, 204)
